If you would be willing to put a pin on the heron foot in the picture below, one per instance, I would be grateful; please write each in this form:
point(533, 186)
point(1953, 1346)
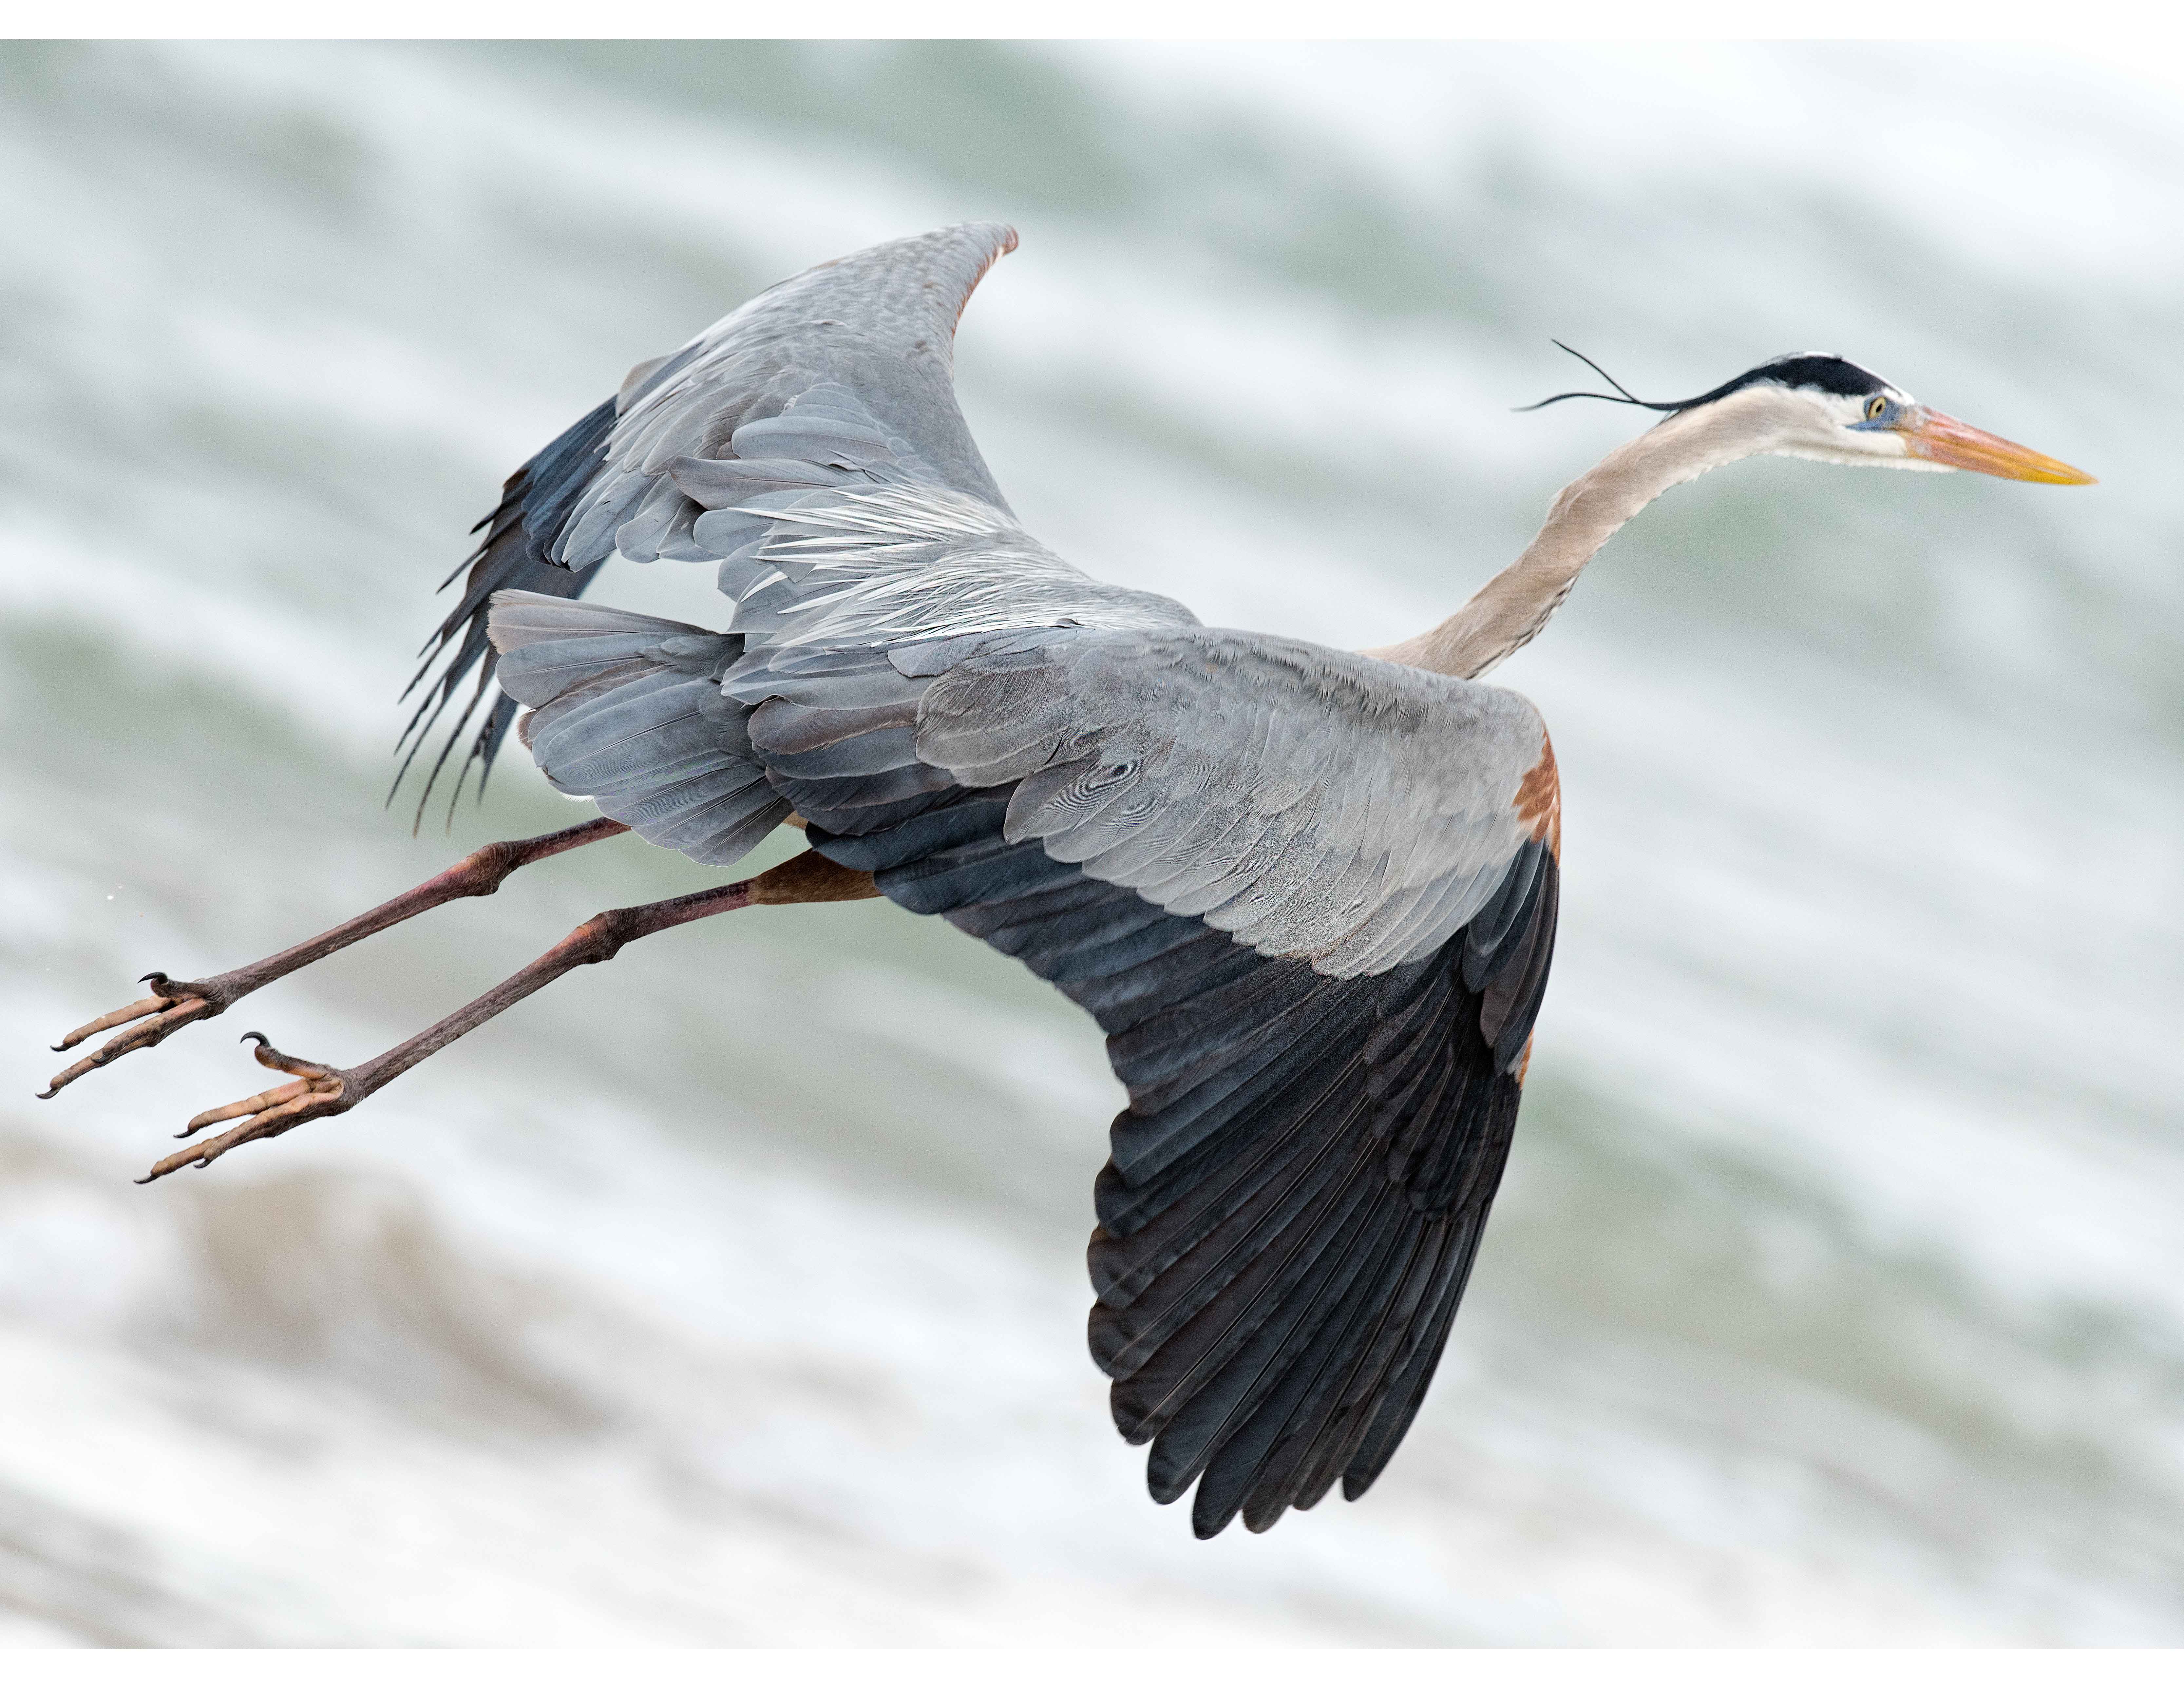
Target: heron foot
point(314, 1091)
point(173, 1005)
point(317, 1090)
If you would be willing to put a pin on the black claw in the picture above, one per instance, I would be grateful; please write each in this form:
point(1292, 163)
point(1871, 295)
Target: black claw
point(59, 1049)
point(263, 1041)
point(47, 1096)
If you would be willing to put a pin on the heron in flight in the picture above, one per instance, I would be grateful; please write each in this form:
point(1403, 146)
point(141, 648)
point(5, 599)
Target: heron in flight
point(1309, 895)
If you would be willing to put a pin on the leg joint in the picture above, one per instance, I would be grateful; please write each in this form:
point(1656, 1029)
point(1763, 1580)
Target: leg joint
point(600, 938)
point(480, 872)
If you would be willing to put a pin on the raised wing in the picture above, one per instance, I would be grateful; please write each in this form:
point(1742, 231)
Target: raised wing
point(862, 349)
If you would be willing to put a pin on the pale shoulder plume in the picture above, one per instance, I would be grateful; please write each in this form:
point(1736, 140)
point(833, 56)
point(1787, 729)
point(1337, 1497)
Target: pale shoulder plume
point(1509, 611)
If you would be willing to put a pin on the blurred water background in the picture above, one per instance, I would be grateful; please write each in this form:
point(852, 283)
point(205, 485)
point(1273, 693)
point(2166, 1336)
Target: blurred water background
point(734, 1292)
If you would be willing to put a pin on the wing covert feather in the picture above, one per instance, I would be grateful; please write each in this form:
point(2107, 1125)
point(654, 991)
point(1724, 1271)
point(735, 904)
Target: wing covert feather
point(1313, 803)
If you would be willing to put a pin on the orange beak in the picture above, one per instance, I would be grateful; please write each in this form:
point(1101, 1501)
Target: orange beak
point(1944, 439)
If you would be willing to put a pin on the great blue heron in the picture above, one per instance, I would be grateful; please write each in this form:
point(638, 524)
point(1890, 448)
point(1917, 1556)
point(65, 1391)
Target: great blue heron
point(1309, 895)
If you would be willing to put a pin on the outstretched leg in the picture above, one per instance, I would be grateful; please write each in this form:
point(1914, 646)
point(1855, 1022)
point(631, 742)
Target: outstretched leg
point(317, 1091)
point(175, 1003)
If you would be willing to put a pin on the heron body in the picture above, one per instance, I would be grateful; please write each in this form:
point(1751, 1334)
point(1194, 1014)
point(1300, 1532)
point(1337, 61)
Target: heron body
point(1310, 895)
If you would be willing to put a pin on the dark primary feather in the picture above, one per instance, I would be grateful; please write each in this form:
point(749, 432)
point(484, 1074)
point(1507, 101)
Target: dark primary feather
point(518, 553)
point(1297, 1189)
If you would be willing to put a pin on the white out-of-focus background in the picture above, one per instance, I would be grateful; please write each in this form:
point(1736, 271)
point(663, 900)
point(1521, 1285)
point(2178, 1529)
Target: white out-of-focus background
point(734, 1293)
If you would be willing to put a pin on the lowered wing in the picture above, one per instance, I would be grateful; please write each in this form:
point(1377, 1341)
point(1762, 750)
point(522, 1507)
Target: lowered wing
point(1323, 1036)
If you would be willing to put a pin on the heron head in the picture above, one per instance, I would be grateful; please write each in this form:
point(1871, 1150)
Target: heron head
point(1813, 405)
point(1829, 408)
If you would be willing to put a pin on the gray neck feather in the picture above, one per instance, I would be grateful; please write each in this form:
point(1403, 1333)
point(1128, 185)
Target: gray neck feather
point(1511, 609)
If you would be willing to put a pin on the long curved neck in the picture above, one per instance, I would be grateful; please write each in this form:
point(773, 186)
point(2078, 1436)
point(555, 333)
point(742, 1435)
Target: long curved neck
point(1510, 609)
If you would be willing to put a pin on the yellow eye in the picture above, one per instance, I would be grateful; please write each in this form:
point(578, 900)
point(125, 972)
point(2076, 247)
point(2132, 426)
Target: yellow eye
point(1874, 407)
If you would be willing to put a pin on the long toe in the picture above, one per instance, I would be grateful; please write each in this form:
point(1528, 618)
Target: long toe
point(257, 1104)
point(166, 1015)
point(322, 1091)
point(119, 1017)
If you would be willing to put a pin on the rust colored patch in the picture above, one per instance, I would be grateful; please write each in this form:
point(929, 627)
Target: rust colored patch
point(1539, 799)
